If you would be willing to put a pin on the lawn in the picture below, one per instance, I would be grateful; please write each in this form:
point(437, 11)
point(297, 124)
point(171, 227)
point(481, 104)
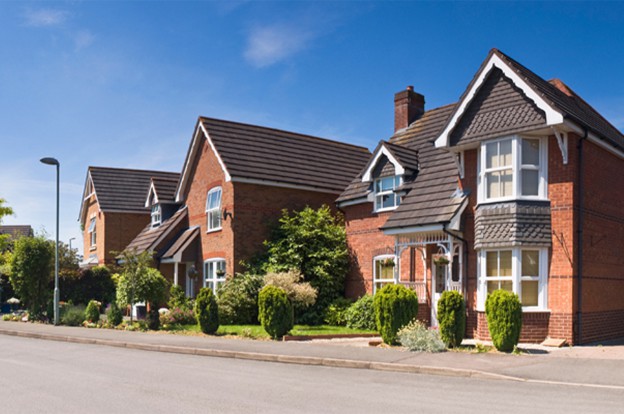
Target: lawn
point(257, 332)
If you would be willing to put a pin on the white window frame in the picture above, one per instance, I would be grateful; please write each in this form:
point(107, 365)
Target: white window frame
point(215, 210)
point(398, 180)
point(516, 170)
point(376, 278)
point(92, 232)
point(156, 214)
point(516, 276)
point(211, 266)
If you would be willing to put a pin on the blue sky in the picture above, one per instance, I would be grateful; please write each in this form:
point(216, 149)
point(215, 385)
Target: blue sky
point(121, 84)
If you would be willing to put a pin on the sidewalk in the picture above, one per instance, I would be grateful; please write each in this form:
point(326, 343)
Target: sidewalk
point(577, 366)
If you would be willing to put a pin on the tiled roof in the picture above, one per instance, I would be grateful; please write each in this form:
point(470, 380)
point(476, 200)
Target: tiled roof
point(499, 107)
point(120, 189)
point(260, 153)
point(571, 105)
point(513, 224)
point(17, 230)
point(165, 188)
point(185, 237)
point(152, 238)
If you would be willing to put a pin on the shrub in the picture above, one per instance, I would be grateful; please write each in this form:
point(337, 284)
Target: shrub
point(275, 311)
point(207, 311)
point(416, 337)
point(73, 315)
point(153, 319)
point(452, 318)
point(361, 314)
point(314, 243)
point(143, 285)
point(179, 316)
point(177, 298)
point(238, 299)
point(81, 286)
point(301, 294)
point(113, 315)
point(504, 317)
point(92, 313)
point(395, 306)
point(336, 312)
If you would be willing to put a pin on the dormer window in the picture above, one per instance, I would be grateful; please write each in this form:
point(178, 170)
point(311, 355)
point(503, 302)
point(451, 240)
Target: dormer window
point(513, 168)
point(385, 196)
point(213, 209)
point(156, 215)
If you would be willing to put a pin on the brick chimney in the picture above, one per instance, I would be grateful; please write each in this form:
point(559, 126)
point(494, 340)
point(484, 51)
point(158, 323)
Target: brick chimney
point(408, 107)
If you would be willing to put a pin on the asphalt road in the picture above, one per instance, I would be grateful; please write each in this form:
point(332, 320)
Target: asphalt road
point(38, 376)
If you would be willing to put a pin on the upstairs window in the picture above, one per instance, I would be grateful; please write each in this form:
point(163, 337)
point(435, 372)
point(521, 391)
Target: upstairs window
point(385, 197)
point(156, 215)
point(213, 209)
point(92, 232)
point(513, 168)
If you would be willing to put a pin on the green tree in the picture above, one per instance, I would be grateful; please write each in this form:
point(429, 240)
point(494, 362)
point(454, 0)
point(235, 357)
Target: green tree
point(139, 281)
point(31, 270)
point(4, 238)
point(314, 243)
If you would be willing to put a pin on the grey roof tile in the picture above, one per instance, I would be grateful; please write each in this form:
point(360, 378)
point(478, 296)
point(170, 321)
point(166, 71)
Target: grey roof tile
point(156, 238)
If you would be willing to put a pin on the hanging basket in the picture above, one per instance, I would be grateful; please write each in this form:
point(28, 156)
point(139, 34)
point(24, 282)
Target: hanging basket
point(389, 262)
point(441, 260)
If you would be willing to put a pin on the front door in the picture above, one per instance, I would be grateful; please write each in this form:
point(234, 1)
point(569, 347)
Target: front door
point(439, 274)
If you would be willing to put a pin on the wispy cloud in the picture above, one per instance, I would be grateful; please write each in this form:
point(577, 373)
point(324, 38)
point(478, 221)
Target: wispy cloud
point(83, 39)
point(268, 45)
point(45, 17)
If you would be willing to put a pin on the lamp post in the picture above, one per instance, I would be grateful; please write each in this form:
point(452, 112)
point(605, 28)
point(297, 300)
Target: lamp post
point(54, 161)
point(70, 240)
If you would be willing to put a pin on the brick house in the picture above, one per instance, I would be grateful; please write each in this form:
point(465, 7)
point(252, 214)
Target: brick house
point(235, 182)
point(113, 210)
point(516, 186)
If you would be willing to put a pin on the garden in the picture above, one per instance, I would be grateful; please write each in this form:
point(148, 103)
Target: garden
point(294, 288)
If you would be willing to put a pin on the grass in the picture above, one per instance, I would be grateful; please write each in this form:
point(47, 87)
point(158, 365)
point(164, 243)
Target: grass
point(257, 332)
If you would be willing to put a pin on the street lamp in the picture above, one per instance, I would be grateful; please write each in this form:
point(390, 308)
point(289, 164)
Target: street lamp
point(54, 161)
point(70, 240)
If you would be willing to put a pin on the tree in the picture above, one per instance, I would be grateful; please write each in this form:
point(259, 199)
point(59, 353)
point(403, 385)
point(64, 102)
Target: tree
point(314, 243)
point(31, 270)
point(139, 281)
point(4, 211)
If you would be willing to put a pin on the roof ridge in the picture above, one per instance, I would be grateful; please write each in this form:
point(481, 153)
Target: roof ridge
point(285, 131)
point(92, 167)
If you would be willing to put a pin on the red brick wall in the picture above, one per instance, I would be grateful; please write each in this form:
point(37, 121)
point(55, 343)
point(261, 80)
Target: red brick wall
point(603, 245)
point(257, 208)
point(535, 326)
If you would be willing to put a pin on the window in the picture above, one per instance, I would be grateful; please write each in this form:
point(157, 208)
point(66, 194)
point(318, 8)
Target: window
point(92, 232)
point(512, 168)
point(156, 215)
point(521, 271)
point(383, 271)
point(213, 209)
point(385, 197)
point(214, 274)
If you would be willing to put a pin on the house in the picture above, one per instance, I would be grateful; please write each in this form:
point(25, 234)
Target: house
point(517, 186)
point(17, 231)
point(236, 181)
point(113, 209)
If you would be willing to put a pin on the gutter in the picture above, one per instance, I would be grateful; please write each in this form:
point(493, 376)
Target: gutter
point(579, 233)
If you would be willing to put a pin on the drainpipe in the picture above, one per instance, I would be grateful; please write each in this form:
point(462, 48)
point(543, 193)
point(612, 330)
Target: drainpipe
point(579, 233)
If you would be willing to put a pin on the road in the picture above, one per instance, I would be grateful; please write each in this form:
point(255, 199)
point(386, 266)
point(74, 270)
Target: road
point(38, 376)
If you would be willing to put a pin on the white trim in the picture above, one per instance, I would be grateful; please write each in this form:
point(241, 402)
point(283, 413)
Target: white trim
point(562, 140)
point(394, 279)
point(553, 116)
point(270, 183)
point(415, 229)
point(81, 218)
point(215, 280)
point(152, 189)
point(360, 200)
point(211, 211)
point(594, 138)
point(398, 168)
point(193, 151)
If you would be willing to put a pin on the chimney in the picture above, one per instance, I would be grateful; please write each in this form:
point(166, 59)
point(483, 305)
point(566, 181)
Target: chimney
point(408, 107)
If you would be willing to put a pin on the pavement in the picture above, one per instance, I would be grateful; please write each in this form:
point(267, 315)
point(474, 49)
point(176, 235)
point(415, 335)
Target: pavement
point(599, 366)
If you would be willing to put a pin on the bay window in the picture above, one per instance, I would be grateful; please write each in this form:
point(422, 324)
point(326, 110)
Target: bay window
point(512, 168)
point(385, 197)
point(523, 271)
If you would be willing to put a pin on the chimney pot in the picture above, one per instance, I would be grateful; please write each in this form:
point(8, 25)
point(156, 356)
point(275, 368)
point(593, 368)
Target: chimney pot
point(410, 88)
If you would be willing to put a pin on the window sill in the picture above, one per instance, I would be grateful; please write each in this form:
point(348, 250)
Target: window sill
point(524, 310)
point(385, 210)
point(214, 230)
point(92, 248)
point(508, 199)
